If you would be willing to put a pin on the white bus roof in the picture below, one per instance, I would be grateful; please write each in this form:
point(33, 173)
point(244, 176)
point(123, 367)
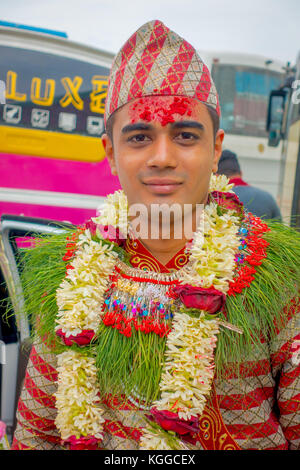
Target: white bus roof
point(43, 42)
point(241, 58)
point(49, 43)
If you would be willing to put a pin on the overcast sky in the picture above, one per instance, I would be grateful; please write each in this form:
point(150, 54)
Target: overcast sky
point(267, 27)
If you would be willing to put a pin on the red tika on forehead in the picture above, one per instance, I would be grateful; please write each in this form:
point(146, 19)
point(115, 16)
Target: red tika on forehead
point(156, 61)
point(164, 109)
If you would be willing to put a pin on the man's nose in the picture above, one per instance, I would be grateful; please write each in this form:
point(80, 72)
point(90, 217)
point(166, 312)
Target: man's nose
point(163, 154)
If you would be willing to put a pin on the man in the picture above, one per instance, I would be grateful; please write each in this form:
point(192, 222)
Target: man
point(257, 201)
point(157, 342)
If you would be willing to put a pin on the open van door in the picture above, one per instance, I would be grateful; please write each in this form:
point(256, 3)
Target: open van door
point(14, 327)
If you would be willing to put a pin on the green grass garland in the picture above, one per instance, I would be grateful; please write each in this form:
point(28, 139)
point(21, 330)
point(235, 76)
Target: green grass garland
point(127, 364)
point(136, 362)
point(260, 306)
point(42, 270)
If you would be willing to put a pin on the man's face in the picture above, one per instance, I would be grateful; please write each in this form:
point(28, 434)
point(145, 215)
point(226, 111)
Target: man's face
point(164, 150)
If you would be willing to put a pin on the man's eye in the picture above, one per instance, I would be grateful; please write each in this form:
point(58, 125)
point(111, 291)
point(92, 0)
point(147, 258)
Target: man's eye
point(187, 136)
point(138, 138)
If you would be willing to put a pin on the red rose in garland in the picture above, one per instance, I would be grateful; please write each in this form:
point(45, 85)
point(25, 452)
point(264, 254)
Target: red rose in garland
point(91, 226)
point(112, 234)
point(211, 300)
point(227, 201)
point(85, 337)
point(170, 421)
point(83, 443)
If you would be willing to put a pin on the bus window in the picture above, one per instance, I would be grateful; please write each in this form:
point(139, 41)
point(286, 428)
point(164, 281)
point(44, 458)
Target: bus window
point(59, 96)
point(55, 93)
point(52, 161)
point(244, 93)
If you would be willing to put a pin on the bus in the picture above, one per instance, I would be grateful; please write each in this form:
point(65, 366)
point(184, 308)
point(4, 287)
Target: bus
point(53, 169)
point(244, 82)
point(283, 125)
point(52, 163)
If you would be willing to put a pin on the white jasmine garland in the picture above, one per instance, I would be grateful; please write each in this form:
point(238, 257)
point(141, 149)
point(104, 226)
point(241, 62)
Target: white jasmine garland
point(187, 374)
point(189, 365)
point(152, 441)
point(79, 413)
point(220, 183)
point(114, 212)
point(81, 294)
point(213, 250)
point(155, 440)
point(188, 370)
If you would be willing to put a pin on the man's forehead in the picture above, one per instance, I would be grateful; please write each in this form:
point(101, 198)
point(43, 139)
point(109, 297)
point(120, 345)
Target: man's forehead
point(163, 110)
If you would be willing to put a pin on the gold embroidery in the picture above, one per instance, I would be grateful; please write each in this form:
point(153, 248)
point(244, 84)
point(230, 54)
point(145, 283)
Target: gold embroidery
point(140, 260)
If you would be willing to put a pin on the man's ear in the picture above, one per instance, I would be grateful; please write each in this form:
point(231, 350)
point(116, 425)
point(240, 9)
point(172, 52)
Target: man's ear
point(109, 152)
point(218, 149)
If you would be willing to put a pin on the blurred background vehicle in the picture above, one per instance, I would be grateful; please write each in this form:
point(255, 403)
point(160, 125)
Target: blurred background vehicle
point(244, 82)
point(283, 126)
point(51, 158)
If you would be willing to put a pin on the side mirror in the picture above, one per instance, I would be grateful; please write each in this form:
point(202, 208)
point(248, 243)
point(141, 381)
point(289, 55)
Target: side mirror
point(275, 116)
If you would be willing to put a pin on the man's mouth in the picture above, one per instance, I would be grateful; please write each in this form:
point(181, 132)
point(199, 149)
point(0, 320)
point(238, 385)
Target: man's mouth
point(162, 185)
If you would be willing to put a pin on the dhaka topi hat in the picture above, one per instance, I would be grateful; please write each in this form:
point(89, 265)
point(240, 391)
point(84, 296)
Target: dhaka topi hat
point(157, 61)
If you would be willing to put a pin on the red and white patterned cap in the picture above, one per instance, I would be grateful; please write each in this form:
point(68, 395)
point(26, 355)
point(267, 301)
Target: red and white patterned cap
point(157, 61)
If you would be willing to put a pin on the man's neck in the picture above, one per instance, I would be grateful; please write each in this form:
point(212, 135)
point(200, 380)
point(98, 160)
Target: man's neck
point(171, 240)
point(164, 250)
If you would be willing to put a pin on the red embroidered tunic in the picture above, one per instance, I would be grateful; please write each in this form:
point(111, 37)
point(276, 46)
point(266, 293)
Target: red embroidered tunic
point(260, 409)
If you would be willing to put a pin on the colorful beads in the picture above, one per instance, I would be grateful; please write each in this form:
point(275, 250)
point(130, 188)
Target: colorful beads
point(243, 231)
point(139, 303)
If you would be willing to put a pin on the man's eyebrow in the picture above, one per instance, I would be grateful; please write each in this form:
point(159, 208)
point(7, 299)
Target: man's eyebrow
point(139, 126)
point(189, 124)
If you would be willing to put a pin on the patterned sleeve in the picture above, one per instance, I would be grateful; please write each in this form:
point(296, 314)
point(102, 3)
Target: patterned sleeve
point(36, 411)
point(285, 359)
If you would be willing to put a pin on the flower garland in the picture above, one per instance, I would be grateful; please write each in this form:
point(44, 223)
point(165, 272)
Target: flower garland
point(189, 367)
point(189, 357)
point(252, 252)
point(80, 416)
point(81, 294)
point(189, 361)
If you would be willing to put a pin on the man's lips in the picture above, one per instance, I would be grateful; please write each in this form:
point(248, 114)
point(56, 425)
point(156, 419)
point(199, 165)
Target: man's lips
point(162, 185)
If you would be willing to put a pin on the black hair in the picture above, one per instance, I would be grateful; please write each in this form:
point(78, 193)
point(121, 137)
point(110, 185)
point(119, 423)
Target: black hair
point(228, 164)
point(215, 120)
point(109, 126)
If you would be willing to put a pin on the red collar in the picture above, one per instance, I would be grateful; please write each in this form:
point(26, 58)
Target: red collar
point(141, 258)
point(238, 182)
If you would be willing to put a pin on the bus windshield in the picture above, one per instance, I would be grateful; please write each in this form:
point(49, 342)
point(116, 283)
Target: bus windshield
point(50, 92)
point(243, 94)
